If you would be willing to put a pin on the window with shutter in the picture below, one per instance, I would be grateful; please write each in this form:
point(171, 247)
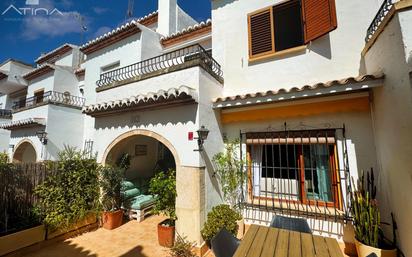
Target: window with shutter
point(319, 18)
point(261, 37)
point(289, 25)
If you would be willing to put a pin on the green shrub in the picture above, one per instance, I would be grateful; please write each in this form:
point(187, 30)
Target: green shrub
point(229, 173)
point(71, 193)
point(182, 248)
point(111, 183)
point(163, 185)
point(4, 159)
point(221, 216)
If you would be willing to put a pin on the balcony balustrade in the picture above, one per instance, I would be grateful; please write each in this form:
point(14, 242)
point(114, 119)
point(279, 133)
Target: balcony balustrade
point(49, 97)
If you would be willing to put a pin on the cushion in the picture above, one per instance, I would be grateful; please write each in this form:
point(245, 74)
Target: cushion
point(142, 201)
point(126, 185)
point(131, 193)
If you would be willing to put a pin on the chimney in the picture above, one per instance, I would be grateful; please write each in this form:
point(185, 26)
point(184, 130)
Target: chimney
point(167, 22)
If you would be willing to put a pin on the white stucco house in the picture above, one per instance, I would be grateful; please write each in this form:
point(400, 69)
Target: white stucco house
point(316, 92)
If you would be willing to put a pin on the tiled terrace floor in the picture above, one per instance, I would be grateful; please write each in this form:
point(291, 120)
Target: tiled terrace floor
point(132, 239)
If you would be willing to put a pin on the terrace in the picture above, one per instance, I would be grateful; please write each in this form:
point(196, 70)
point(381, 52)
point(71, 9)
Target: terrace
point(5, 114)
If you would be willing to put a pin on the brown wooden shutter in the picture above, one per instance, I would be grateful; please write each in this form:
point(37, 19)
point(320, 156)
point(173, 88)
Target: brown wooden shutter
point(261, 35)
point(319, 18)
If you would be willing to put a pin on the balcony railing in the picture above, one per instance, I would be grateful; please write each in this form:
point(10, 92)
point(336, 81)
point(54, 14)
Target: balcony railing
point(5, 114)
point(49, 97)
point(383, 11)
point(179, 57)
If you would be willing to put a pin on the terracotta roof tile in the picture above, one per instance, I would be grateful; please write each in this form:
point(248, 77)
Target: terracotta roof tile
point(58, 51)
point(23, 123)
point(41, 70)
point(341, 82)
point(200, 28)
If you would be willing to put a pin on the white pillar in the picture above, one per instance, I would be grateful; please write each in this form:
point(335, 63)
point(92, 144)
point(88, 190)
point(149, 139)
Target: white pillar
point(167, 22)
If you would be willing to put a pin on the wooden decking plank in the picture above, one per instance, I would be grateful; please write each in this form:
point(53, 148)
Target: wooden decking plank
point(308, 249)
point(282, 243)
point(258, 243)
point(295, 249)
point(270, 243)
point(333, 246)
point(246, 242)
point(321, 248)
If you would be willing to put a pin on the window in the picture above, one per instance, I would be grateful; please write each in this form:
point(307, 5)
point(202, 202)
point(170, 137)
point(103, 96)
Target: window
point(294, 166)
point(38, 96)
point(289, 25)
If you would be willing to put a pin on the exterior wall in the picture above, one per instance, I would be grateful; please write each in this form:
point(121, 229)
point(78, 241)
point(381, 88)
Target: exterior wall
point(20, 136)
point(4, 138)
point(70, 59)
point(392, 109)
point(38, 112)
point(64, 127)
point(331, 53)
point(65, 81)
point(150, 43)
point(45, 82)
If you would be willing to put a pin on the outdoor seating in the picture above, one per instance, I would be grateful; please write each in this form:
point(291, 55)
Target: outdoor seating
point(137, 201)
point(224, 244)
point(289, 223)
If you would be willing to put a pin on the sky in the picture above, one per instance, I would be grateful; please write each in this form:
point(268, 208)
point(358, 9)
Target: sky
point(25, 35)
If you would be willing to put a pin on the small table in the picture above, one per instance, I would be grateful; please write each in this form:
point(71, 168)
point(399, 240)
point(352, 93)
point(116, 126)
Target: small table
point(262, 241)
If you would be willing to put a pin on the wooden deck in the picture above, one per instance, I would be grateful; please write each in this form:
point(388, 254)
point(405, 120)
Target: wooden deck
point(262, 241)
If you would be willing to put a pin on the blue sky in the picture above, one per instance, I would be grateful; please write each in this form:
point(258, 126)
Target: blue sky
point(25, 36)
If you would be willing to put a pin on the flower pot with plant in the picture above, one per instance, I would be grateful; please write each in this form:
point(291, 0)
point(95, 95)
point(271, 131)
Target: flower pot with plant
point(163, 186)
point(110, 184)
point(369, 239)
point(221, 216)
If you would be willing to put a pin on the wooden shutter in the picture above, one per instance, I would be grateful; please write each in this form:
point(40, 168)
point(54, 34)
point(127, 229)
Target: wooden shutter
point(319, 18)
point(261, 35)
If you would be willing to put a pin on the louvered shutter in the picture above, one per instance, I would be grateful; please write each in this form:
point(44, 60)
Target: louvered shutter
point(261, 35)
point(319, 18)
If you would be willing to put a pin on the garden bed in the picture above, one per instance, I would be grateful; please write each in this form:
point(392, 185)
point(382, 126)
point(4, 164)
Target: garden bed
point(21, 239)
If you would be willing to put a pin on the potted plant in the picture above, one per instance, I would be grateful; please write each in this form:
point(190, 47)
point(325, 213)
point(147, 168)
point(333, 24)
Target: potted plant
point(163, 186)
point(110, 183)
point(228, 168)
point(221, 216)
point(369, 238)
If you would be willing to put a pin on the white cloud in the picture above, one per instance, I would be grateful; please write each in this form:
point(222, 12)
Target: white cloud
point(35, 27)
point(100, 10)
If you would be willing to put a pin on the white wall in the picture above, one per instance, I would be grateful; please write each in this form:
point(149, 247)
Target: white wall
point(328, 58)
point(392, 107)
point(65, 81)
point(45, 82)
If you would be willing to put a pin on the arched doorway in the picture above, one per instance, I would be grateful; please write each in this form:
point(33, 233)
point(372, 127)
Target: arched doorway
point(25, 153)
point(147, 155)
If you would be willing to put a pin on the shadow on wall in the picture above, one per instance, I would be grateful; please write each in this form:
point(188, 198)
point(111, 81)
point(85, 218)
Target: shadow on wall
point(211, 173)
point(144, 119)
point(321, 46)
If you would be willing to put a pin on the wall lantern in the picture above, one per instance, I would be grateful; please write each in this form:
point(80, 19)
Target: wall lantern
point(42, 135)
point(202, 134)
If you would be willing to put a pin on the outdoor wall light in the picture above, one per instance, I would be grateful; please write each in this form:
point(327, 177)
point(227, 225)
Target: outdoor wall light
point(42, 135)
point(202, 134)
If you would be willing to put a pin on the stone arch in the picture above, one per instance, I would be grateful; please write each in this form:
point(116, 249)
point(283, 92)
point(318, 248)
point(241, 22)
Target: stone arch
point(25, 152)
point(142, 132)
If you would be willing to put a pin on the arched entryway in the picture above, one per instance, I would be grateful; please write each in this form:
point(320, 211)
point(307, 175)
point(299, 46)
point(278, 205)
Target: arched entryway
point(25, 153)
point(148, 155)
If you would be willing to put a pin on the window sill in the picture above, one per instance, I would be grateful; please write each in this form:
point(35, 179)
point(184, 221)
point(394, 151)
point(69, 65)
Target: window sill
point(280, 53)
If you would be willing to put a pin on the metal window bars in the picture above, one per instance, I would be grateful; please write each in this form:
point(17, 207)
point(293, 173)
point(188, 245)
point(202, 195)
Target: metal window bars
point(297, 173)
point(377, 20)
point(50, 97)
point(178, 57)
point(5, 114)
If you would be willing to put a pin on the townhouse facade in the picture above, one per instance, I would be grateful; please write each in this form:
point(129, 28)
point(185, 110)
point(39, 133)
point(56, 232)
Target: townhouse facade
point(311, 100)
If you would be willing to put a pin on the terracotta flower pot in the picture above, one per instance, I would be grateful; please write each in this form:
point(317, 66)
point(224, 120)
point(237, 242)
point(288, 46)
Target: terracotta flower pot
point(366, 250)
point(165, 234)
point(112, 219)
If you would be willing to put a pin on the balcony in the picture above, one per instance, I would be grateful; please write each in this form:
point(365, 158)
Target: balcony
point(49, 97)
point(5, 114)
point(184, 58)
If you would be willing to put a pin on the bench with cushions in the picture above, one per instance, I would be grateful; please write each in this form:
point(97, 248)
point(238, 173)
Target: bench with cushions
point(137, 200)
